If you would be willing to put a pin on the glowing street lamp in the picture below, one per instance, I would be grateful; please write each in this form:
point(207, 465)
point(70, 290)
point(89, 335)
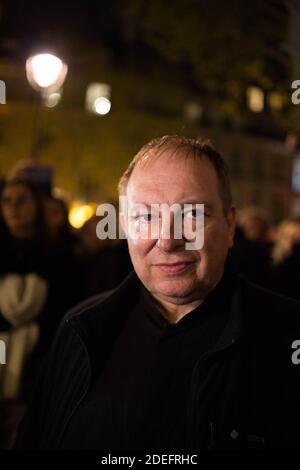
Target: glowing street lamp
point(45, 72)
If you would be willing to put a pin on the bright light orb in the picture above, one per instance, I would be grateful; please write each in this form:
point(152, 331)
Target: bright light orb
point(45, 70)
point(102, 105)
point(79, 214)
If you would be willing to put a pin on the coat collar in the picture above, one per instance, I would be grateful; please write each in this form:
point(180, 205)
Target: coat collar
point(98, 325)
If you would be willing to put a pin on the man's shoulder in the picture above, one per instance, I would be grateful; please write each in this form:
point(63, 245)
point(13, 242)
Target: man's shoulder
point(88, 306)
point(269, 308)
point(93, 309)
point(266, 297)
point(92, 322)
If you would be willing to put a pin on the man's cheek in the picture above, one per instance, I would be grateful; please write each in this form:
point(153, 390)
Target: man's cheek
point(214, 235)
point(139, 247)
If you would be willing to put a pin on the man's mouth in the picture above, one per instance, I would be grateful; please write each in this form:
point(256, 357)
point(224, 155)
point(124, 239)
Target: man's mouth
point(174, 268)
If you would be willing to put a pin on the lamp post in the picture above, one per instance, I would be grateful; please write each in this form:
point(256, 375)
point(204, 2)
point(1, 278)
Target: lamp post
point(46, 74)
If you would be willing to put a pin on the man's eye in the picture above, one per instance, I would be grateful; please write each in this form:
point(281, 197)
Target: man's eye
point(195, 214)
point(145, 217)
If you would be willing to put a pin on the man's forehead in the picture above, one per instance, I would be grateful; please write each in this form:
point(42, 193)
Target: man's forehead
point(187, 182)
point(148, 197)
point(169, 164)
point(154, 191)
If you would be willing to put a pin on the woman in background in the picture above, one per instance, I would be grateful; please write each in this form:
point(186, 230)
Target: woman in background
point(36, 284)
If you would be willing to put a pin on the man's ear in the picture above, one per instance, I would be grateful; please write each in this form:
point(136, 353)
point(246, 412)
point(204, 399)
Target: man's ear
point(231, 221)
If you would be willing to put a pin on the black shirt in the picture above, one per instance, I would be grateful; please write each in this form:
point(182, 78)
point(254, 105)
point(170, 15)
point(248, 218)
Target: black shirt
point(140, 399)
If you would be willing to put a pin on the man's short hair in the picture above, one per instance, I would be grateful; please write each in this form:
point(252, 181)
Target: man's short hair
point(183, 146)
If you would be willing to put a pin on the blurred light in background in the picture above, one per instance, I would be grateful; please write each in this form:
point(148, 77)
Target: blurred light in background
point(46, 71)
point(98, 98)
point(275, 101)
point(52, 99)
point(255, 99)
point(102, 106)
point(193, 111)
point(61, 193)
point(80, 213)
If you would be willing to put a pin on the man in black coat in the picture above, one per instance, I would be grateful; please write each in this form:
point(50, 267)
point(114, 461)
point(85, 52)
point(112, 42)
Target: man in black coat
point(184, 354)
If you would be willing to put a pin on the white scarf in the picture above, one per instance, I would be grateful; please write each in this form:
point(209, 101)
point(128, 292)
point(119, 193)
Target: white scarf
point(22, 297)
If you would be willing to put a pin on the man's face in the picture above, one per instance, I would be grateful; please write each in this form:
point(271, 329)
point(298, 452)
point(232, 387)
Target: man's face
point(166, 268)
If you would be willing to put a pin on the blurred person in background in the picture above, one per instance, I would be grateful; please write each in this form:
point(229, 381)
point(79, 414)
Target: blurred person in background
point(284, 275)
point(66, 238)
point(36, 283)
point(58, 222)
point(254, 223)
point(252, 249)
point(57, 215)
point(105, 262)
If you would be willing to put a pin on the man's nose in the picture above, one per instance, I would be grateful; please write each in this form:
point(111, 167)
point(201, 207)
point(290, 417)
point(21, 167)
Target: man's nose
point(166, 240)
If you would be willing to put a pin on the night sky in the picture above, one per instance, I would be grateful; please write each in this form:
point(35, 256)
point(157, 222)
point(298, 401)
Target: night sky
point(25, 24)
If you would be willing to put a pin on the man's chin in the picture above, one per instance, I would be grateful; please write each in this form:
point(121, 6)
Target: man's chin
point(178, 291)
